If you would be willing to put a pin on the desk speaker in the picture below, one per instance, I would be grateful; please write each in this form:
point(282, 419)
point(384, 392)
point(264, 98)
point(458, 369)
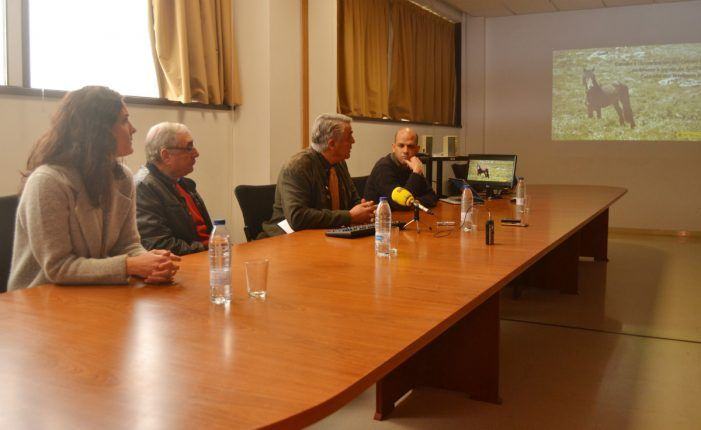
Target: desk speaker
point(426, 144)
point(450, 146)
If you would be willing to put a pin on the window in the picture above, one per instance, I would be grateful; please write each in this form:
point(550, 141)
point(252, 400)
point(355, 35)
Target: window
point(74, 43)
point(398, 61)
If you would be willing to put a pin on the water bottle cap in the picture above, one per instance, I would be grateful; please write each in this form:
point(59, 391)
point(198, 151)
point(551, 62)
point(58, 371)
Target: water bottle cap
point(219, 222)
point(465, 186)
point(383, 198)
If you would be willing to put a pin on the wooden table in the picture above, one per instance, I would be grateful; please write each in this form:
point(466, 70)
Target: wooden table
point(337, 320)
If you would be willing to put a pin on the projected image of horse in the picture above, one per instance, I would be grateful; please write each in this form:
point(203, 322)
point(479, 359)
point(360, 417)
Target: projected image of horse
point(599, 96)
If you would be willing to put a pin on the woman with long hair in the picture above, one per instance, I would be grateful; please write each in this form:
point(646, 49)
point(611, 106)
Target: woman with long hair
point(76, 217)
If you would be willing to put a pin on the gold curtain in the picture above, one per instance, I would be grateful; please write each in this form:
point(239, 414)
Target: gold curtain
point(422, 79)
point(193, 49)
point(363, 35)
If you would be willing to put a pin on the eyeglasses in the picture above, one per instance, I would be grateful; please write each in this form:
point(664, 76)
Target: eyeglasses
point(187, 149)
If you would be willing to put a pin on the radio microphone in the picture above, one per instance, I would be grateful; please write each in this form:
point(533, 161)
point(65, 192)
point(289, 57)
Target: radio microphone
point(403, 197)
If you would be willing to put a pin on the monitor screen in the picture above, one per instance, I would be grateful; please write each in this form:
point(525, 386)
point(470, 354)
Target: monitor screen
point(494, 170)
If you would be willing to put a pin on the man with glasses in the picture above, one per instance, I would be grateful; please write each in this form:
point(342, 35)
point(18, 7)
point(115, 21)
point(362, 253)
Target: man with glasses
point(400, 168)
point(170, 213)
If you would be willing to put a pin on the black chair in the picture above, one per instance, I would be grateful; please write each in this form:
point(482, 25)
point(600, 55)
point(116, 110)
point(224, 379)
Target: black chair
point(456, 183)
point(256, 202)
point(460, 170)
point(359, 182)
point(8, 209)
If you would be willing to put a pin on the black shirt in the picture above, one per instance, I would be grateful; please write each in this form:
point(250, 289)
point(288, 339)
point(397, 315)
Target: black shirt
point(388, 174)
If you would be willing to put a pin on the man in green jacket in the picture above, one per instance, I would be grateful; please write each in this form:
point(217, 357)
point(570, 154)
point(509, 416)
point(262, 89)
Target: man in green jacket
point(314, 189)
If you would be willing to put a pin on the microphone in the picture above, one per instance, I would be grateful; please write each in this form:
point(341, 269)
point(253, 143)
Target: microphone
point(403, 197)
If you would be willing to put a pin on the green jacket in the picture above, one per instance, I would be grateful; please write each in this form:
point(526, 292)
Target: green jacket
point(302, 195)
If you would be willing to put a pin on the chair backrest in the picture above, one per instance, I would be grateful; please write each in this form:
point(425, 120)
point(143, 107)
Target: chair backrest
point(460, 170)
point(256, 202)
point(8, 209)
point(359, 182)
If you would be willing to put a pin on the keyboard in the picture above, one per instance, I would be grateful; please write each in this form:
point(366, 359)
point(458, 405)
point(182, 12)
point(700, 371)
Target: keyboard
point(356, 231)
point(453, 200)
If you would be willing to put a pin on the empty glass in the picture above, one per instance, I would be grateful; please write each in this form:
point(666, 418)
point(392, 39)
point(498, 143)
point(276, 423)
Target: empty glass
point(257, 278)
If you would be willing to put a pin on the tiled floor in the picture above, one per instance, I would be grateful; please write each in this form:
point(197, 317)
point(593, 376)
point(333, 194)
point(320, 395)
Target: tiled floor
point(623, 354)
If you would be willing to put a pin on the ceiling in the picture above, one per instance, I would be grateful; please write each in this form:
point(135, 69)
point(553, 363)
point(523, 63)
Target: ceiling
point(493, 8)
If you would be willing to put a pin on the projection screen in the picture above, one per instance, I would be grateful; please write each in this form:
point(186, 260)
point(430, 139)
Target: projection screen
point(639, 93)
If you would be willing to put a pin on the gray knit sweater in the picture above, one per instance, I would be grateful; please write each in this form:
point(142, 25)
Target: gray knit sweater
point(61, 238)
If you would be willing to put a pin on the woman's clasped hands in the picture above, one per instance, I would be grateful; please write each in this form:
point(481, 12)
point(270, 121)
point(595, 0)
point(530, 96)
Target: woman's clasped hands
point(155, 267)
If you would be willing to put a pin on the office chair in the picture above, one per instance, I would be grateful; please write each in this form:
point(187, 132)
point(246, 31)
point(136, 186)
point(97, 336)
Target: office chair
point(455, 184)
point(460, 170)
point(256, 202)
point(359, 182)
point(8, 209)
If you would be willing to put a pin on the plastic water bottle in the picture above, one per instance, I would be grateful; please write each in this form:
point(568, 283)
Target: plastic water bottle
point(383, 228)
point(220, 264)
point(520, 195)
point(466, 205)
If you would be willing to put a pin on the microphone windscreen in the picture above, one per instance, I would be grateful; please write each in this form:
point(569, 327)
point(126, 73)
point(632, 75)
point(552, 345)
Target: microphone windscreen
point(402, 196)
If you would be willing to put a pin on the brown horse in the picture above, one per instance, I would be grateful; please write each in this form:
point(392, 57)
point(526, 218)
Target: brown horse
point(599, 96)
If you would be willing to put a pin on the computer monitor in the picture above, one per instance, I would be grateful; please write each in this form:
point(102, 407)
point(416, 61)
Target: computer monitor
point(491, 171)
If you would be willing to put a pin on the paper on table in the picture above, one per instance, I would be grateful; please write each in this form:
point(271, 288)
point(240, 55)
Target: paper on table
point(285, 226)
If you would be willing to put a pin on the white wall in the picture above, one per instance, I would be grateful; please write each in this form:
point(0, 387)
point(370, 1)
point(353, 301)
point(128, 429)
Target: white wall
point(267, 127)
point(268, 123)
point(517, 109)
point(474, 78)
point(285, 78)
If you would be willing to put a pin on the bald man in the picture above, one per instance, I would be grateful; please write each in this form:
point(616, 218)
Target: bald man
point(400, 168)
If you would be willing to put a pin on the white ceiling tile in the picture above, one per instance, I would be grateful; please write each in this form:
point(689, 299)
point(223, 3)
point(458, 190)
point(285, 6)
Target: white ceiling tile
point(610, 3)
point(494, 8)
point(529, 6)
point(577, 4)
point(486, 8)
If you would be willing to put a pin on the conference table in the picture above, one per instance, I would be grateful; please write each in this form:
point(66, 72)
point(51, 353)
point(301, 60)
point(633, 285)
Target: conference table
point(337, 320)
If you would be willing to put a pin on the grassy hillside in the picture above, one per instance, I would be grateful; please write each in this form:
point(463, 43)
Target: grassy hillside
point(664, 83)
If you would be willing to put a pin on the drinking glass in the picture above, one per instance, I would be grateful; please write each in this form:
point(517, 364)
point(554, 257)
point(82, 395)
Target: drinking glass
point(257, 278)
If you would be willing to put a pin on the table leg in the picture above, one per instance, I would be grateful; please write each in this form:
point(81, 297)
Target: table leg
point(558, 269)
point(594, 238)
point(464, 358)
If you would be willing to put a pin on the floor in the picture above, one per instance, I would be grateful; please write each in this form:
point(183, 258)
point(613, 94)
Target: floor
point(623, 354)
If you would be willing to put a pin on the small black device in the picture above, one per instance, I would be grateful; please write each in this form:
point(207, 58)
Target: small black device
point(489, 231)
point(518, 224)
point(356, 231)
point(510, 221)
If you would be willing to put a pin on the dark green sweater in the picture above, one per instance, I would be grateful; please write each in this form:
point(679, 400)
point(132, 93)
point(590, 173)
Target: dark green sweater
point(302, 195)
